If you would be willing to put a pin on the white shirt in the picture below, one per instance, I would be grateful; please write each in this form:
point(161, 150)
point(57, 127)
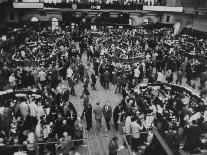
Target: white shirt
point(159, 76)
point(12, 79)
point(135, 129)
point(33, 109)
point(128, 124)
point(136, 72)
point(42, 76)
point(148, 57)
point(195, 117)
point(40, 112)
point(69, 72)
point(24, 109)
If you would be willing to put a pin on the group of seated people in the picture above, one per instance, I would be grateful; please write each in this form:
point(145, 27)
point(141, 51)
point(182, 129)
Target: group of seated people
point(51, 117)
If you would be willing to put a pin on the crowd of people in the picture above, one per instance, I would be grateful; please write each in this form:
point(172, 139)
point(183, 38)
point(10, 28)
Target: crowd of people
point(108, 4)
point(50, 61)
point(125, 2)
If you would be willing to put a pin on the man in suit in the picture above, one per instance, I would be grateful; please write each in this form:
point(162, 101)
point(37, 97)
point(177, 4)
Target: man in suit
point(107, 113)
point(93, 79)
point(106, 78)
point(113, 146)
point(98, 115)
point(87, 112)
point(192, 138)
point(172, 140)
point(118, 109)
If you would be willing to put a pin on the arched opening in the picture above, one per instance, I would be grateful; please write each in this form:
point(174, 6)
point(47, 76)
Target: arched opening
point(93, 27)
point(55, 23)
point(146, 21)
point(34, 19)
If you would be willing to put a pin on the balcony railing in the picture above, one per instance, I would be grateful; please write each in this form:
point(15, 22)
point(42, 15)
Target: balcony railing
point(96, 4)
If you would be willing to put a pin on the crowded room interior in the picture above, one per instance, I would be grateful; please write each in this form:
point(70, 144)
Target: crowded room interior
point(103, 77)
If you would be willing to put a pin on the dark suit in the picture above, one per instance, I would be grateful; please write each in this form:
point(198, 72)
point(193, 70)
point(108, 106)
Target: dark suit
point(107, 112)
point(172, 141)
point(116, 112)
point(87, 111)
point(93, 79)
point(106, 78)
point(192, 138)
point(113, 147)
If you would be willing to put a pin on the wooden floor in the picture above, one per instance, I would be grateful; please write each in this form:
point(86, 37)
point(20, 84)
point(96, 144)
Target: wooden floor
point(98, 141)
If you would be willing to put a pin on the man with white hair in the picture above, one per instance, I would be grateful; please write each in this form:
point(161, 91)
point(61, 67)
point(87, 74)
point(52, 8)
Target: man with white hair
point(66, 144)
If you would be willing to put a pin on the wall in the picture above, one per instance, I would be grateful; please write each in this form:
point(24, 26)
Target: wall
point(26, 16)
point(137, 20)
point(200, 23)
point(186, 21)
point(189, 21)
point(172, 2)
point(174, 17)
point(13, 13)
point(3, 24)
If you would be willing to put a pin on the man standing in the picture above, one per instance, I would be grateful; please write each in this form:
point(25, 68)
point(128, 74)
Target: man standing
point(42, 77)
point(192, 137)
point(107, 112)
point(98, 115)
point(136, 74)
point(203, 78)
point(81, 70)
point(116, 115)
point(70, 80)
point(95, 67)
point(87, 112)
point(113, 146)
point(93, 79)
point(106, 78)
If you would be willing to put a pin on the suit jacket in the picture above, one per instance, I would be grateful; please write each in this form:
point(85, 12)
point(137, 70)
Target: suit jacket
point(107, 112)
point(106, 76)
point(113, 147)
point(98, 112)
point(93, 78)
point(87, 111)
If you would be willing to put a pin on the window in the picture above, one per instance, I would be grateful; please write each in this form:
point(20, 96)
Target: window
point(130, 21)
point(34, 19)
point(146, 21)
point(55, 23)
point(168, 19)
point(93, 27)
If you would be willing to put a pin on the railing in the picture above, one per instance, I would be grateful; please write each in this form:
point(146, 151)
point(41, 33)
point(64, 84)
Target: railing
point(94, 145)
point(96, 4)
point(124, 2)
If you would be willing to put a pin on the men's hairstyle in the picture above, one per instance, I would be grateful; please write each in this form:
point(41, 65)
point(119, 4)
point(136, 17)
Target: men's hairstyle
point(193, 122)
point(115, 138)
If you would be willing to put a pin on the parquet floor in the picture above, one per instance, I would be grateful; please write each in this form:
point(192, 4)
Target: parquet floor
point(98, 141)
